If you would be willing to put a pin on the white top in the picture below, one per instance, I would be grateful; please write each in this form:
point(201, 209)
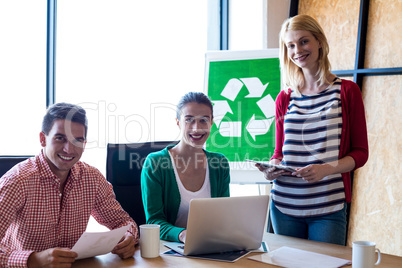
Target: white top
point(186, 196)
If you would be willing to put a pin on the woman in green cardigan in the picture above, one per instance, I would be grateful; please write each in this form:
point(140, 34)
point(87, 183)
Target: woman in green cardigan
point(173, 176)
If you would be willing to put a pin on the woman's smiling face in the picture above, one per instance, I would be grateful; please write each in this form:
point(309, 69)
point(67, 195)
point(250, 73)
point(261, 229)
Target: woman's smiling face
point(195, 124)
point(303, 49)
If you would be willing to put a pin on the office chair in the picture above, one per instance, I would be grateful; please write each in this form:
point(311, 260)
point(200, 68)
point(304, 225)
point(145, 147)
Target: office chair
point(7, 162)
point(123, 170)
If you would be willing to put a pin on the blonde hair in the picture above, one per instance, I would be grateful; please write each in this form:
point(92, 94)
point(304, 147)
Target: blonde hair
point(292, 75)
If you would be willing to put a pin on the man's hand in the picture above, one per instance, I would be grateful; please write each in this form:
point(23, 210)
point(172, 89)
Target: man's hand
point(125, 249)
point(53, 257)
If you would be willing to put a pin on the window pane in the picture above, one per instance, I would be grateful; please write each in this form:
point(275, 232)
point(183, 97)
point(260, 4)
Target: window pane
point(22, 75)
point(245, 24)
point(128, 63)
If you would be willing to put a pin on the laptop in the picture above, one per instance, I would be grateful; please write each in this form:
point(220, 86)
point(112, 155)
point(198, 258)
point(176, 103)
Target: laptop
point(223, 224)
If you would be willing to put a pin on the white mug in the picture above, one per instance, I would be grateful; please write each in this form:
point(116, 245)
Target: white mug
point(149, 240)
point(363, 254)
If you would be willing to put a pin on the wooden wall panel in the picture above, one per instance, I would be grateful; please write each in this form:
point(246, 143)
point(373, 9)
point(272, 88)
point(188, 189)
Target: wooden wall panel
point(376, 209)
point(384, 38)
point(339, 20)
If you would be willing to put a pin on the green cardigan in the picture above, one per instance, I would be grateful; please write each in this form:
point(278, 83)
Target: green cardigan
point(160, 193)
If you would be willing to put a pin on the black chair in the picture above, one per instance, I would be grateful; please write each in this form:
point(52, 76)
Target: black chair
point(123, 170)
point(7, 162)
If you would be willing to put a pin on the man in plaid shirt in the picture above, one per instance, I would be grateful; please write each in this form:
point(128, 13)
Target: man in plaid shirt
point(46, 201)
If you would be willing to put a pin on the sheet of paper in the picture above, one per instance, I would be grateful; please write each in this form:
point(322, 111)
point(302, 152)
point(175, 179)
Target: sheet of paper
point(93, 244)
point(296, 258)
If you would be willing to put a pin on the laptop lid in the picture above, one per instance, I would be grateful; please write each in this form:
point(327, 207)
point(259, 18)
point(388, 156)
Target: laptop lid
point(225, 224)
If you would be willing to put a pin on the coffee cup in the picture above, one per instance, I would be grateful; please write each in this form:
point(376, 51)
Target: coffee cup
point(149, 240)
point(363, 254)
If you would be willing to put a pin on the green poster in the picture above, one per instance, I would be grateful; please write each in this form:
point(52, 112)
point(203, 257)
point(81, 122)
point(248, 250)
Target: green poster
point(243, 91)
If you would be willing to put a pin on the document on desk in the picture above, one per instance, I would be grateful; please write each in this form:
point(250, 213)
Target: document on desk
point(93, 244)
point(296, 258)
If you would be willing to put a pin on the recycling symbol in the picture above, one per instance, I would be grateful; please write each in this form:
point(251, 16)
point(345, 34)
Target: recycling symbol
point(253, 126)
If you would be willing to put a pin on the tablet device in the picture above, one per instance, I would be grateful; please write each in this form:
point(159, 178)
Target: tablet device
point(265, 164)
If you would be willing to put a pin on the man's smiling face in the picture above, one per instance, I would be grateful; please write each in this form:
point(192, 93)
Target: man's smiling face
point(63, 146)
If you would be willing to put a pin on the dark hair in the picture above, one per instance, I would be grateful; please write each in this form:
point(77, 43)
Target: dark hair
point(197, 97)
point(64, 111)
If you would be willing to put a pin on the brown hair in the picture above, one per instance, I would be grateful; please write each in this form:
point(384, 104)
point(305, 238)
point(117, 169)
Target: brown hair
point(64, 111)
point(197, 97)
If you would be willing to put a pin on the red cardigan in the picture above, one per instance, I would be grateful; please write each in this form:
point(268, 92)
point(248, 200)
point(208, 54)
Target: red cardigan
point(354, 130)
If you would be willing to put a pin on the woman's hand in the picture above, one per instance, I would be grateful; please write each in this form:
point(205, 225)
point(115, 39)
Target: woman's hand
point(182, 236)
point(312, 173)
point(271, 173)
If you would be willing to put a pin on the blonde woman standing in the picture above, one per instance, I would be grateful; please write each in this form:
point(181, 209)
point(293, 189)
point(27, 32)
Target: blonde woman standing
point(320, 131)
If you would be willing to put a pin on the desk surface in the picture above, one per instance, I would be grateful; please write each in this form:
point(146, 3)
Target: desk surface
point(274, 242)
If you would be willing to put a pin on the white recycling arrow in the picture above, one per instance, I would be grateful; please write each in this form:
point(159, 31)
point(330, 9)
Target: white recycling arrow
point(254, 87)
point(232, 88)
point(267, 106)
point(258, 127)
point(230, 129)
point(254, 127)
point(220, 110)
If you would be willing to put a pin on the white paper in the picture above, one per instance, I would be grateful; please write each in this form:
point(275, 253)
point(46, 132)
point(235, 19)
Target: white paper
point(93, 244)
point(296, 258)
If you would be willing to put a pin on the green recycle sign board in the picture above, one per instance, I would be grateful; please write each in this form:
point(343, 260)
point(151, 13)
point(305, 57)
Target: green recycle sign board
point(243, 93)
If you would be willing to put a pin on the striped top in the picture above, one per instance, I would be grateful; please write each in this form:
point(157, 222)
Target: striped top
point(313, 126)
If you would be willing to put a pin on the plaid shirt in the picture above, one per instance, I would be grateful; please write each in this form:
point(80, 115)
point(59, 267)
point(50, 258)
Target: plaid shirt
point(35, 216)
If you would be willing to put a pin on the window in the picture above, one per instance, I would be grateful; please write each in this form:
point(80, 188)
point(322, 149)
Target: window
point(128, 63)
point(22, 75)
point(246, 24)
